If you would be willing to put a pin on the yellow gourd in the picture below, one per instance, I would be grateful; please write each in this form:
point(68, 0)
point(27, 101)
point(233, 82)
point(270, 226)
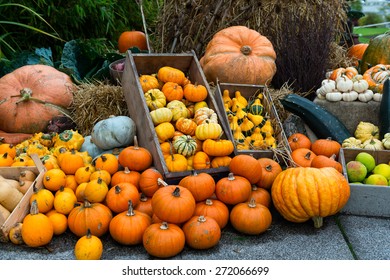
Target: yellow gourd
point(267, 128)
point(247, 126)
point(256, 108)
point(256, 135)
point(256, 119)
point(241, 98)
point(236, 105)
point(270, 141)
point(240, 114)
point(238, 136)
point(226, 98)
point(234, 123)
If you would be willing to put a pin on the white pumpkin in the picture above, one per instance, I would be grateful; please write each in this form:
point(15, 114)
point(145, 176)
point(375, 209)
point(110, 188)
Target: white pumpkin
point(350, 96)
point(334, 96)
point(114, 132)
point(377, 97)
point(373, 144)
point(366, 96)
point(360, 86)
point(344, 84)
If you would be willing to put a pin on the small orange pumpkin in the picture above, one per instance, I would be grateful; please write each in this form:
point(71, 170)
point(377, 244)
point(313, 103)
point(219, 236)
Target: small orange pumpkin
point(201, 185)
point(149, 181)
point(326, 147)
point(172, 91)
point(201, 232)
point(298, 140)
point(233, 189)
point(269, 170)
point(195, 92)
point(246, 166)
point(118, 196)
point(302, 157)
point(135, 157)
point(215, 209)
point(133, 38)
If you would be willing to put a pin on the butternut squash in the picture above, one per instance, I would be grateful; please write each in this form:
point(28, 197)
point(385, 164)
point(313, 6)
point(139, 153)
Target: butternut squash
point(9, 195)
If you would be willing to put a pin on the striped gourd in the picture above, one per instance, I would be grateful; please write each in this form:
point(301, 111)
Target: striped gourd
point(185, 145)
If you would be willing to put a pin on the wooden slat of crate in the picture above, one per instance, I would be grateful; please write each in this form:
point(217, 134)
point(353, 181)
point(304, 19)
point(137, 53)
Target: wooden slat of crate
point(249, 91)
point(140, 63)
point(23, 207)
point(366, 200)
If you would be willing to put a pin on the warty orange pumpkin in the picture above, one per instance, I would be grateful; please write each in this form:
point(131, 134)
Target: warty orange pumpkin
point(31, 96)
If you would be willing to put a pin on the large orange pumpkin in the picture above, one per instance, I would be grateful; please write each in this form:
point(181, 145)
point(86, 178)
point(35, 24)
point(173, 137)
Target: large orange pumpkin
point(238, 47)
point(30, 97)
point(356, 52)
point(303, 193)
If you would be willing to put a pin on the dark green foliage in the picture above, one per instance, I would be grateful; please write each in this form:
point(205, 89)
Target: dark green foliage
point(70, 20)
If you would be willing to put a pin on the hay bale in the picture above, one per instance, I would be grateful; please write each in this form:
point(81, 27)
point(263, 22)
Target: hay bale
point(95, 101)
point(301, 31)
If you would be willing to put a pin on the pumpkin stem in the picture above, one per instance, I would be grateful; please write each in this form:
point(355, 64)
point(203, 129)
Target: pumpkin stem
point(136, 142)
point(34, 210)
point(161, 182)
point(252, 203)
point(318, 221)
point(268, 167)
point(89, 233)
point(117, 189)
point(176, 192)
point(130, 211)
point(231, 176)
point(143, 197)
point(307, 156)
point(201, 219)
point(164, 226)
point(209, 202)
point(246, 50)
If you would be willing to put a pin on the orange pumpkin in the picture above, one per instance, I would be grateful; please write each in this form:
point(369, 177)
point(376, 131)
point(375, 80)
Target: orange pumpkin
point(28, 95)
point(149, 181)
point(356, 52)
point(260, 196)
point(215, 209)
point(172, 91)
point(298, 140)
point(201, 232)
point(201, 185)
point(257, 220)
point(302, 157)
point(324, 161)
point(326, 147)
point(195, 92)
point(128, 227)
point(233, 189)
point(246, 166)
point(173, 204)
point(133, 38)
point(163, 240)
point(118, 196)
point(93, 216)
point(238, 47)
point(269, 170)
point(303, 193)
point(126, 176)
point(135, 157)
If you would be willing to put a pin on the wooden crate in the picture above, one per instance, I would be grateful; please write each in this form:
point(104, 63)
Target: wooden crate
point(366, 200)
point(282, 151)
point(139, 63)
point(23, 207)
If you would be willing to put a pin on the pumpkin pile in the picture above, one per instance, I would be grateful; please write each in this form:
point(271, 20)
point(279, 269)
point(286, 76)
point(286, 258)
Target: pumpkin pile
point(319, 153)
point(126, 197)
point(346, 84)
point(249, 121)
point(187, 129)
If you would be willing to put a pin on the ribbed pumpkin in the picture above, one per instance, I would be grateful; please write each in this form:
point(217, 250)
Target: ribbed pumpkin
point(238, 47)
point(303, 193)
point(31, 96)
point(356, 52)
point(201, 185)
point(377, 52)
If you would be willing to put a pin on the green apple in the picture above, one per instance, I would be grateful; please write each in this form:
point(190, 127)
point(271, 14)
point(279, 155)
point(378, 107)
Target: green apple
point(383, 169)
point(356, 171)
point(377, 179)
point(367, 159)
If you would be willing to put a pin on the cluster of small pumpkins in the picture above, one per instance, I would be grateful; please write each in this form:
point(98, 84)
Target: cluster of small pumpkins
point(318, 153)
point(127, 197)
point(187, 129)
point(252, 129)
point(367, 136)
point(346, 84)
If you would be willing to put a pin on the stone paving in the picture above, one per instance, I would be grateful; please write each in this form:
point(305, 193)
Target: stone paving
point(342, 237)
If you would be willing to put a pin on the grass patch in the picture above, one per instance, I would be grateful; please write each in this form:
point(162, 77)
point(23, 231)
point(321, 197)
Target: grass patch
point(368, 32)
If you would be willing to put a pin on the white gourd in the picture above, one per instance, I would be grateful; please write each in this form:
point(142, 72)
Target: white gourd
point(377, 97)
point(350, 96)
point(334, 96)
point(366, 96)
point(360, 86)
point(344, 84)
